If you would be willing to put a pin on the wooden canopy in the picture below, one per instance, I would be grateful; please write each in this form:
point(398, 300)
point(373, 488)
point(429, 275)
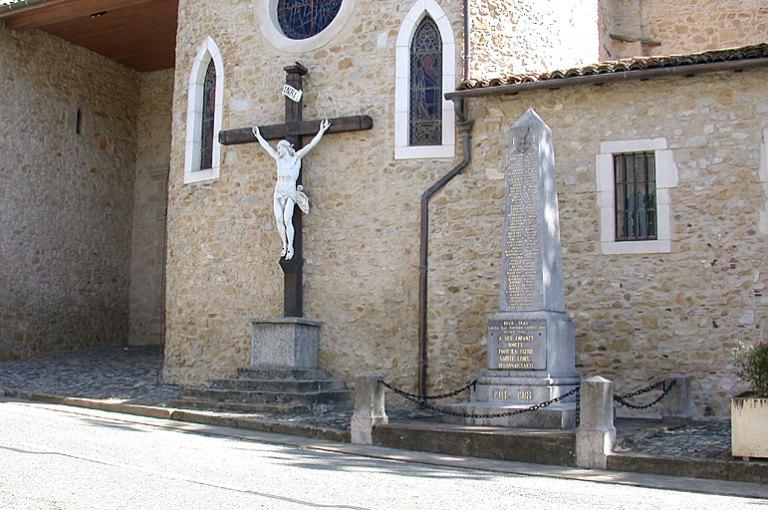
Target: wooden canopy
point(138, 33)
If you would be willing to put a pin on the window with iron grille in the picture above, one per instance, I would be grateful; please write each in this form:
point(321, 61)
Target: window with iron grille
point(635, 192)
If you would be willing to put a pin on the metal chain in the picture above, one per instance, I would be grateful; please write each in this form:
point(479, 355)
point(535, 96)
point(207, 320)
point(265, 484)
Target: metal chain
point(424, 405)
point(578, 411)
point(412, 396)
point(622, 399)
point(648, 388)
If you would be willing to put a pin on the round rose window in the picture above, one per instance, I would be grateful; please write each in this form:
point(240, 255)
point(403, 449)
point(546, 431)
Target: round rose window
point(302, 19)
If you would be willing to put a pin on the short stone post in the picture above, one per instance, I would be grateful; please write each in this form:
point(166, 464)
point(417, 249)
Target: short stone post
point(677, 406)
point(596, 433)
point(369, 408)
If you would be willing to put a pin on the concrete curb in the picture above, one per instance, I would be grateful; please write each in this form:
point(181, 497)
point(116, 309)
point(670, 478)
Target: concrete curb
point(189, 416)
point(711, 469)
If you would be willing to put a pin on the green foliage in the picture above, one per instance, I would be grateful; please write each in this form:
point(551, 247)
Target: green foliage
point(752, 362)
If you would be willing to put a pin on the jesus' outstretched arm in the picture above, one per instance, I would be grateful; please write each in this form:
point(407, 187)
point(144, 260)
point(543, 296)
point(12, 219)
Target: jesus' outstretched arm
point(324, 125)
point(263, 142)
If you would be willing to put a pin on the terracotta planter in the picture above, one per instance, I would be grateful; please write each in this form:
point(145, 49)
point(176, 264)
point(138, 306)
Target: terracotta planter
point(749, 427)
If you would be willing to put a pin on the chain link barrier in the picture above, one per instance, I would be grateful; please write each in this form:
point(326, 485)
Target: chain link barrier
point(423, 403)
point(578, 410)
point(418, 398)
point(666, 388)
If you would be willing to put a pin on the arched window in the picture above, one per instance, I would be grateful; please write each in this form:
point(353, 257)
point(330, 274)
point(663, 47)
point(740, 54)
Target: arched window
point(425, 113)
point(208, 117)
point(425, 72)
point(204, 112)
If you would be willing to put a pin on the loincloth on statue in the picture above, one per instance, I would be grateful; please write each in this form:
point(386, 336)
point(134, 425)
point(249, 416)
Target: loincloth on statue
point(296, 194)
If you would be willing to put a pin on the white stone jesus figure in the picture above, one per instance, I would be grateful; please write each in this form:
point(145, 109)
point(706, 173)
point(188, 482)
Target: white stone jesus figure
point(287, 194)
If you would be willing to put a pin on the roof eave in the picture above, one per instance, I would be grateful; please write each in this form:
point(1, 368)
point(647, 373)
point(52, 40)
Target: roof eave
point(599, 79)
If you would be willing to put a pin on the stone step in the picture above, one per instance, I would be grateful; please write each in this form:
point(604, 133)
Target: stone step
point(279, 385)
point(239, 407)
point(334, 397)
point(281, 373)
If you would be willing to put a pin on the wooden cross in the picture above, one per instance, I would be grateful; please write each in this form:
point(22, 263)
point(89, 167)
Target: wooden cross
point(293, 129)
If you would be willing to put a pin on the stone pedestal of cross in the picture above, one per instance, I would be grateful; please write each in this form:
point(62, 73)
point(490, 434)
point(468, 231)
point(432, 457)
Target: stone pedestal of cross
point(294, 129)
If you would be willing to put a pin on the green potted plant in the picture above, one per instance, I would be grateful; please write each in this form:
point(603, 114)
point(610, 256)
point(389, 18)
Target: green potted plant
point(749, 411)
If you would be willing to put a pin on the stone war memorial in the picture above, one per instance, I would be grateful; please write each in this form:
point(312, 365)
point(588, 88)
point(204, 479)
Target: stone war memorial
point(531, 350)
point(281, 208)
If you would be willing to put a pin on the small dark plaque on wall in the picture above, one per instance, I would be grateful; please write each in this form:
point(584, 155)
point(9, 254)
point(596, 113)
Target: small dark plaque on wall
point(519, 344)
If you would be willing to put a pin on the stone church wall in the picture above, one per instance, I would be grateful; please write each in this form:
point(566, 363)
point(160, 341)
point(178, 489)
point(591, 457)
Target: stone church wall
point(687, 26)
point(528, 36)
point(638, 317)
point(222, 246)
point(153, 144)
point(361, 236)
point(65, 198)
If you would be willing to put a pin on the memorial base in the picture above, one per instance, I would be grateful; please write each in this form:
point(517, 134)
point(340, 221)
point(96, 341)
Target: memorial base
point(495, 393)
point(530, 361)
point(556, 416)
point(291, 342)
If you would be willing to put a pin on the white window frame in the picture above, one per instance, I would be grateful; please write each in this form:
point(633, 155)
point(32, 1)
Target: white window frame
point(403, 150)
point(207, 51)
point(666, 178)
point(270, 28)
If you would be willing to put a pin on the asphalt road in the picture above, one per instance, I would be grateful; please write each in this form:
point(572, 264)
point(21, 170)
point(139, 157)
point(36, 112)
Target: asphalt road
point(64, 459)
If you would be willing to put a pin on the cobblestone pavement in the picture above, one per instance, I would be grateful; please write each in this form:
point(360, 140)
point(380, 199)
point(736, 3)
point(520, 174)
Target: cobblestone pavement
point(707, 440)
point(133, 374)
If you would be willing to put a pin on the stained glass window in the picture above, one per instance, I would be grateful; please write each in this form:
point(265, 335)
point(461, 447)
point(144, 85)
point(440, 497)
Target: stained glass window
point(302, 19)
point(635, 179)
point(426, 98)
point(209, 108)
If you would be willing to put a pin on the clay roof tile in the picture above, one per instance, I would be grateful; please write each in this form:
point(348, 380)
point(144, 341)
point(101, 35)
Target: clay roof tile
point(623, 65)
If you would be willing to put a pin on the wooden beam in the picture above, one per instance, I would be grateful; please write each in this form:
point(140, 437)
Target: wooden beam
point(307, 128)
point(59, 11)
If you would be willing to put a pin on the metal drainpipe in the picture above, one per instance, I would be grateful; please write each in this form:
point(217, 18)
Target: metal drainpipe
point(465, 130)
point(466, 40)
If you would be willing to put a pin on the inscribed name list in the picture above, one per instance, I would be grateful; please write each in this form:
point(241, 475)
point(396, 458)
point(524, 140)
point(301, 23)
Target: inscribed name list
point(517, 344)
point(521, 255)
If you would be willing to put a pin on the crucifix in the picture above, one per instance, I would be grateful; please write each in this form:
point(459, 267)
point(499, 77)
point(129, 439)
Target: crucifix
point(292, 131)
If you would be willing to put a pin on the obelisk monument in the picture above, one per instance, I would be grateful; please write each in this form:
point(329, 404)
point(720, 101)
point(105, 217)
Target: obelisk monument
point(530, 339)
